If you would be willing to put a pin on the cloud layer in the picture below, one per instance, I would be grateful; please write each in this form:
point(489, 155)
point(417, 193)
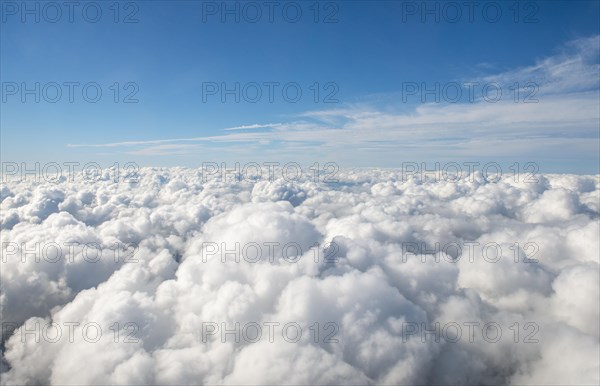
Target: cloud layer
point(379, 272)
point(552, 102)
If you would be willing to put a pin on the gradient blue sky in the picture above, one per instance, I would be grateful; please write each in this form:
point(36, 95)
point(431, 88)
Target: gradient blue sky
point(369, 53)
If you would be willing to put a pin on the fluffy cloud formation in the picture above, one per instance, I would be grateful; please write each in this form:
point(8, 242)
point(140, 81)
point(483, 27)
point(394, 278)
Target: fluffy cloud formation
point(389, 280)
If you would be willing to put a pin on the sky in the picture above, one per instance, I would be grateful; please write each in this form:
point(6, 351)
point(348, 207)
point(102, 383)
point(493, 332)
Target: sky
point(359, 83)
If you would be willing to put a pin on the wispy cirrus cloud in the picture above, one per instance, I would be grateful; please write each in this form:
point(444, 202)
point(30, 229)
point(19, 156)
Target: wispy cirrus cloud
point(564, 110)
point(254, 126)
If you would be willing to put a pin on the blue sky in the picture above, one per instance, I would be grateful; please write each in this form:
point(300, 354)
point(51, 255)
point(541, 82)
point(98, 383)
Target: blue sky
point(367, 58)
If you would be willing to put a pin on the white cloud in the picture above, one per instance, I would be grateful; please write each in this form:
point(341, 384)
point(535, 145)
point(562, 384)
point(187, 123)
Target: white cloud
point(564, 109)
point(375, 290)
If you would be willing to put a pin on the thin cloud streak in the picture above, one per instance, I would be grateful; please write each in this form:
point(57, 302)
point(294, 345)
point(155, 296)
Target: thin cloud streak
point(567, 108)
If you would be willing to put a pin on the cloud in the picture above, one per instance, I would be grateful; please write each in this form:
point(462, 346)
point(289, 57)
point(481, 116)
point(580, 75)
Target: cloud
point(560, 107)
point(379, 272)
point(575, 68)
point(254, 126)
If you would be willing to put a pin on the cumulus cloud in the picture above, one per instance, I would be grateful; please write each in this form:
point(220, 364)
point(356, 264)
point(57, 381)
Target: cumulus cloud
point(389, 280)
